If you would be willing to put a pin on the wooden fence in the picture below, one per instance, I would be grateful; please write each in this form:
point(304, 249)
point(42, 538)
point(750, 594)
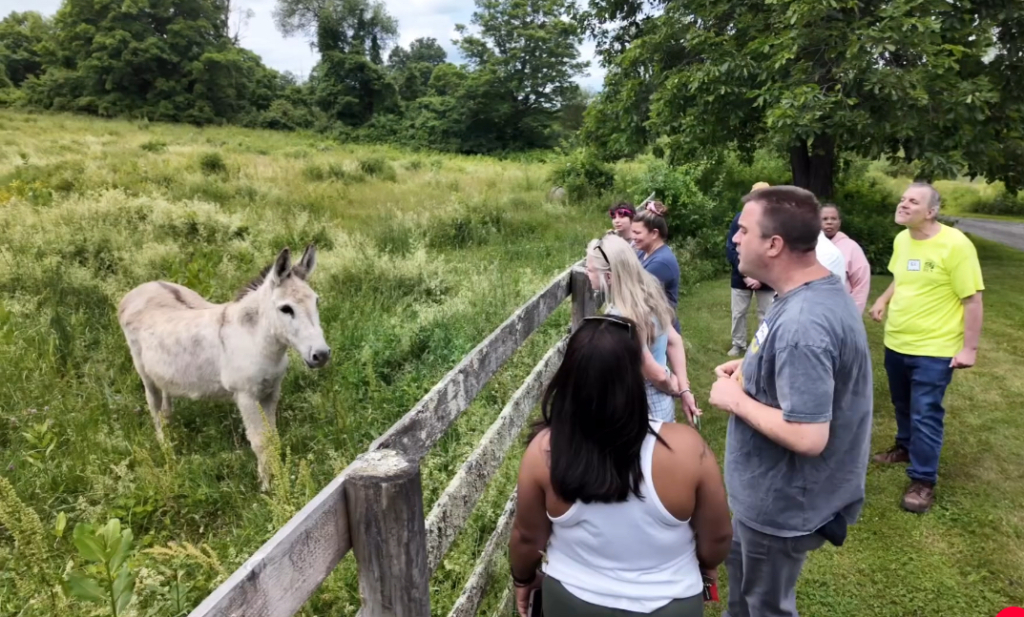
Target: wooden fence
point(375, 506)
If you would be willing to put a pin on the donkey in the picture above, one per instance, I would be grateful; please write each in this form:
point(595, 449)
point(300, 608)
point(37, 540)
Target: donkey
point(184, 346)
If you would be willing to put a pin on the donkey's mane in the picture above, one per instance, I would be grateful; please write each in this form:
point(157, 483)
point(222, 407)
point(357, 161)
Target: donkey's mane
point(297, 269)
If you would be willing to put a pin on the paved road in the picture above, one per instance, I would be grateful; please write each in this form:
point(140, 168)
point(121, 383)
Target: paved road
point(1005, 232)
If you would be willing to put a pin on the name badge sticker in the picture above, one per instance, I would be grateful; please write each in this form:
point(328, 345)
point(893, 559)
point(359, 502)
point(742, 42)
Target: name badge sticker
point(762, 332)
point(913, 265)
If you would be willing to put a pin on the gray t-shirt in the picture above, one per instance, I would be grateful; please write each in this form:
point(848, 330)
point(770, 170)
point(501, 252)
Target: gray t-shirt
point(809, 358)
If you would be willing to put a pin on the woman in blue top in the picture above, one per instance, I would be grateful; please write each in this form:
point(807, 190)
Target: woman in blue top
point(650, 231)
point(631, 292)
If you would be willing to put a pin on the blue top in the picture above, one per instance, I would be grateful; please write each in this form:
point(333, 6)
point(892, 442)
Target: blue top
point(662, 263)
point(659, 348)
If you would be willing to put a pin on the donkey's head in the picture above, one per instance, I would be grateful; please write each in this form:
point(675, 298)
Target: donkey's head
point(294, 316)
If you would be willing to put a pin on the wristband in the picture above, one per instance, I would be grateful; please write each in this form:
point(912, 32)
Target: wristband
point(522, 583)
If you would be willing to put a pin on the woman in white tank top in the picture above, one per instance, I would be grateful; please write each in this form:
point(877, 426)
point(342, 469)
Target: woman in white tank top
point(628, 511)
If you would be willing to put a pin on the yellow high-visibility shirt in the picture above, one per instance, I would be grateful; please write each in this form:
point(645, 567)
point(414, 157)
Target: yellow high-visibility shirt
point(933, 276)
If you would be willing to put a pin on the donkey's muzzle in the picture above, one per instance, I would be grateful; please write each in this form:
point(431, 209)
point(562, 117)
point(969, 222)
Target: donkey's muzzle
point(319, 358)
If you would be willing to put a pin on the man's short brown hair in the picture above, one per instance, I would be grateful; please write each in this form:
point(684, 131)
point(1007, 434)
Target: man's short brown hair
point(791, 213)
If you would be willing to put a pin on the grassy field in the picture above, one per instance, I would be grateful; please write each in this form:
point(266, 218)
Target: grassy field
point(966, 556)
point(421, 256)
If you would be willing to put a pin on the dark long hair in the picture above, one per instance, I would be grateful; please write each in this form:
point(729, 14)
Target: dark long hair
point(596, 410)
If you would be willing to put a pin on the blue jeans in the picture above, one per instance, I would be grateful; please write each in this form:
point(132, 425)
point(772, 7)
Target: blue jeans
point(917, 385)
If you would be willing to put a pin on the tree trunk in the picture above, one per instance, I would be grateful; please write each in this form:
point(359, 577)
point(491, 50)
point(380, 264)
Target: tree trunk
point(814, 169)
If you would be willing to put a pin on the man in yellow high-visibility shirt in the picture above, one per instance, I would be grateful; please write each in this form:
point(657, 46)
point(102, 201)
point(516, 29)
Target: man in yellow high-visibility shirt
point(933, 327)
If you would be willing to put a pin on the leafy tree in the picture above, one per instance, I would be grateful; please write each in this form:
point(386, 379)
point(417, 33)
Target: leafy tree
point(816, 79)
point(165, 59)
point(413, 68)
point(351, 89)
point(22, 44)
point(425, 50)
point(531, 44)
point(524, 57)
point(360, 27)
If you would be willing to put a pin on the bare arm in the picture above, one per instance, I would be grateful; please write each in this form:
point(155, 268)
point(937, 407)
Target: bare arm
point(878, 308)
point(676, 353)
point(805, 383)
point(973, 311)
point(711, 522)
point(806, 438)
point(531, 526)
point(656, 373)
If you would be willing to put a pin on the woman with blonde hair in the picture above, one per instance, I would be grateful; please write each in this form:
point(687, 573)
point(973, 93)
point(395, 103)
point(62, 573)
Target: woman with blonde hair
point(632, 292)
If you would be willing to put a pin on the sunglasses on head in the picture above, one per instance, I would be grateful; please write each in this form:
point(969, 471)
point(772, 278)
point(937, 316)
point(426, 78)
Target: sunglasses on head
point(603, 254)
point(621, 212)
point(612, 319)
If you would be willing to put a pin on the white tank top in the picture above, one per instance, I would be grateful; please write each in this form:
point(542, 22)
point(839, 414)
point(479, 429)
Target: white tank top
point(632, 555)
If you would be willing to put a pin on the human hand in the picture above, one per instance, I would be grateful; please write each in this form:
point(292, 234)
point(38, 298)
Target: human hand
point(690, 407)
point(877, 310)
point(751, 283)
point(711, 573)
point(727, 369)
point(523, 595)
point(965, 359)
point(726, 394)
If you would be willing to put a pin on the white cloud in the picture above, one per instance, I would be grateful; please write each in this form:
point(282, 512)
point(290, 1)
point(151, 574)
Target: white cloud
point(416, 18)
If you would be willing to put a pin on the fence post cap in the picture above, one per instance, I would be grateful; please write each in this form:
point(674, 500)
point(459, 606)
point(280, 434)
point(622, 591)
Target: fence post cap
point(382, 464)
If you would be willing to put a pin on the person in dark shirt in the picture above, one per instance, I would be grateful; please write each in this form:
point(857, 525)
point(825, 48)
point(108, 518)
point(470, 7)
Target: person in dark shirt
point(743, 289)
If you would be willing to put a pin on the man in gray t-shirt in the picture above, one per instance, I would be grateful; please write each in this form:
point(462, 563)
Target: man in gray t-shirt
point(801, 402)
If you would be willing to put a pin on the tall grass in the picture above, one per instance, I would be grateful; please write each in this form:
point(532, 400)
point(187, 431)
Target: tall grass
point(420, 258)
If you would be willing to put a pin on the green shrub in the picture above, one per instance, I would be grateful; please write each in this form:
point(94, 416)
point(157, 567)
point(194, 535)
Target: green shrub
point(378, 167)
point(1005, 203)
point(154, 145)
point(868, 208)
point(212, 163)
point(583, 175)
point(695, 216)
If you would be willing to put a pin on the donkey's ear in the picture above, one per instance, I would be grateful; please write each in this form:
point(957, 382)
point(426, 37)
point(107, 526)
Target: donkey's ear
point(282, 266)
point(307, 263)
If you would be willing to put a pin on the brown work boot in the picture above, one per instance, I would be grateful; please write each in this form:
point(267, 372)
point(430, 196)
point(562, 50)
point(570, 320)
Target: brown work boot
point(895, 454)
point(919, 497)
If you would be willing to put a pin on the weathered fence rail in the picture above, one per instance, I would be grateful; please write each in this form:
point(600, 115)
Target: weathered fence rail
point(375, 506)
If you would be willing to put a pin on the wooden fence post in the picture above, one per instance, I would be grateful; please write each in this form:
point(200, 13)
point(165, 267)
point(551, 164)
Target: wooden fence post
point(584, 298)
point(389, 536)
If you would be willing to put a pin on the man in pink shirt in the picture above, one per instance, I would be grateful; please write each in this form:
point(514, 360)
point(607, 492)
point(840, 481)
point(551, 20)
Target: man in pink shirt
point(858, 272)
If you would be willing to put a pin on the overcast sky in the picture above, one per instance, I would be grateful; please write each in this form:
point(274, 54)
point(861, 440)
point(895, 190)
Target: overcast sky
point(416, 18)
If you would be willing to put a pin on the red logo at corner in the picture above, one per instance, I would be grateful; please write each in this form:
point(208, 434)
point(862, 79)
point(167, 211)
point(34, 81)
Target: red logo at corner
point(1012, 611)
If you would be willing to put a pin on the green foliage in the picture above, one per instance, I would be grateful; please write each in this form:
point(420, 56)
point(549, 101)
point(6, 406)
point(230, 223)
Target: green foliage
point(107, 578)
point(413, 273)
point(168, 60)
point(378, 167)
point(23, 39)
point(814, 79)
point(694, 216)
point(582, 174)
point(868, 208)
point(212, 163)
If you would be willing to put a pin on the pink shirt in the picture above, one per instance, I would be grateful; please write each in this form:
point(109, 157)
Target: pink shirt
point(858, 272)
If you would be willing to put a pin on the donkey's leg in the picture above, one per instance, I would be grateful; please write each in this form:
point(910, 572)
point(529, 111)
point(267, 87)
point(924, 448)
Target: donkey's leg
point(269, 405)
point(154, 400)
point(166, 407)
point(255, 431)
